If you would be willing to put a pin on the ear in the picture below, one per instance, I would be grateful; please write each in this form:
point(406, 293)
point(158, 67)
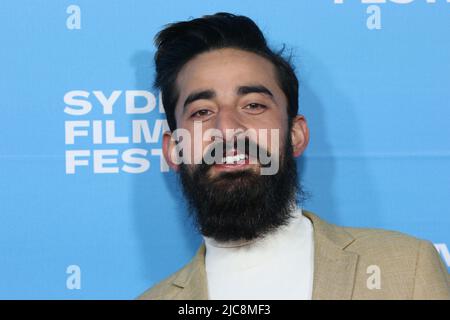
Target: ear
point(299, 135)
point(168, 149)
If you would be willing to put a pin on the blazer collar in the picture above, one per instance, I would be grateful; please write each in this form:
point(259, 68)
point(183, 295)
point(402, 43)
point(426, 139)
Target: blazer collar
point(334, 268)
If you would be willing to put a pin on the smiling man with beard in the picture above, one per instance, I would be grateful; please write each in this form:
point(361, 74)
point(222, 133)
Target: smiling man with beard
point(259, 243)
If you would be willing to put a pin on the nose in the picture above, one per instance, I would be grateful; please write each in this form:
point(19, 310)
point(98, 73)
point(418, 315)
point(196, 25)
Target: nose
point(230, 125)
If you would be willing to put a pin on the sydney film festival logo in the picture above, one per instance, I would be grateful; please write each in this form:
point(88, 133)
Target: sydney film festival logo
point(98, 141)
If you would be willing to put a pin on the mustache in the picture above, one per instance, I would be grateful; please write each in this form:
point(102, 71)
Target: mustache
point(246, 146)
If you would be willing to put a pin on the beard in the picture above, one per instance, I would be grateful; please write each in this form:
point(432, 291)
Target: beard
point(241, 204)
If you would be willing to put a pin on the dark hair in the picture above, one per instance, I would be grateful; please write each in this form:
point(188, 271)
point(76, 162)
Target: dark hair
point(179, 42)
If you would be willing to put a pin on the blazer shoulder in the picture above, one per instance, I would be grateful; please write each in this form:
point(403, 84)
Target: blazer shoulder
point(384, 242)
point(166, 288)
point(376, 235)
point(169, 288)
point(359, 237)
point(161, 290)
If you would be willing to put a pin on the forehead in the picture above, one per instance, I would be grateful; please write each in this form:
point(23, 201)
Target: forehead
point(223, 70)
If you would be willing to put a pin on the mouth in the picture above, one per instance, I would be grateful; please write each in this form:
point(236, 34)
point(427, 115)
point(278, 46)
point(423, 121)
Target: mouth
point(233, 161)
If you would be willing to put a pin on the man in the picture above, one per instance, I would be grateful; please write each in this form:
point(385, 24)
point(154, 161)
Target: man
point(232, 108)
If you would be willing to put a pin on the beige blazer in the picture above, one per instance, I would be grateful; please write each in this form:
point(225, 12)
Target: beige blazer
point(346, 260)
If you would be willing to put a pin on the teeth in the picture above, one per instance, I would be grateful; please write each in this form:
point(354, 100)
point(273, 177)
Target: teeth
point(233, 159)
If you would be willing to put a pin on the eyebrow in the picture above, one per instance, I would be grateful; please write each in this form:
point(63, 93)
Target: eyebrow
point(240, 91)
point(243, 90)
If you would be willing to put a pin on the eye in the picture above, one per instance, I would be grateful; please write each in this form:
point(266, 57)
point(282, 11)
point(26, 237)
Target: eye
point(200, 113)
point(255, 107)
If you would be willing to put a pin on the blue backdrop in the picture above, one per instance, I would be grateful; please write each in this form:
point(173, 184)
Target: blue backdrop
point(87, 208)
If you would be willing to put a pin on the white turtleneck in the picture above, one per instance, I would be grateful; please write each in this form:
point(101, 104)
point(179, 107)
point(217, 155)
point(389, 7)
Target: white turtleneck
point(278, 266)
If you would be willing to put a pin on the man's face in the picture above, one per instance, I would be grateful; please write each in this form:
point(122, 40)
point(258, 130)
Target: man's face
point(223, 72)
point(228, 90)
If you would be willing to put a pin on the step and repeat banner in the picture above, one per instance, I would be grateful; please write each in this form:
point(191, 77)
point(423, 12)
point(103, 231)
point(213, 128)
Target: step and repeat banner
point(89, 208)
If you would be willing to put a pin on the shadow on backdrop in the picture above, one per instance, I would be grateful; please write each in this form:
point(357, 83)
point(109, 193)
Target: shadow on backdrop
point(319, 166)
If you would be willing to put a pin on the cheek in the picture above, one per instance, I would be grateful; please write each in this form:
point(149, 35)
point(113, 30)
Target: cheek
point(272, 137)
point(196, 151)
point(274, 142)
point(199, 150)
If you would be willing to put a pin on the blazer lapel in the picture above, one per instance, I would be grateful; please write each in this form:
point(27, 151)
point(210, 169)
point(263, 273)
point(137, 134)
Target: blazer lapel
point(192, 278)
point(334, 268)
